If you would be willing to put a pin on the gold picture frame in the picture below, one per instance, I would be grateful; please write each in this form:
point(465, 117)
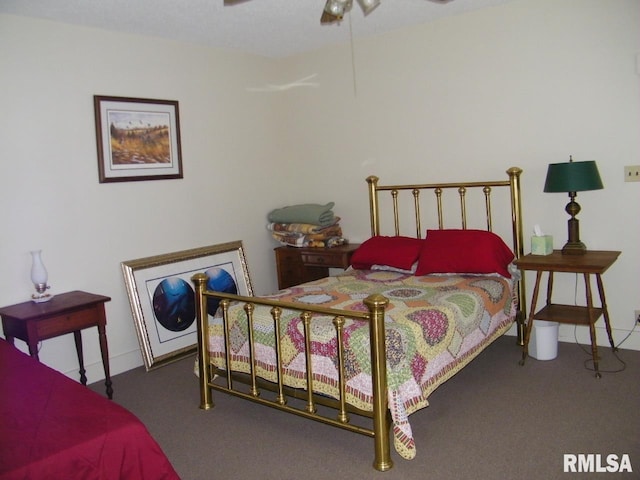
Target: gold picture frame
point(162, 296)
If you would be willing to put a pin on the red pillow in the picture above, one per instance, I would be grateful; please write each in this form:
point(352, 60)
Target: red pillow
point(464, 251)
point(398, 252)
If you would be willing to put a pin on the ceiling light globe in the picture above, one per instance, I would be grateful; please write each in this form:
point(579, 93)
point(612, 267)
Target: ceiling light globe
point(368, 6)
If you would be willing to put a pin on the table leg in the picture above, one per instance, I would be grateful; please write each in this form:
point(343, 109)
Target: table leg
point(33, 349)
point(77, 336)
point(32, 339)
point(605, 311)
point(104, 350)
point(527, 333)
point(549, 287)
point(592, 328)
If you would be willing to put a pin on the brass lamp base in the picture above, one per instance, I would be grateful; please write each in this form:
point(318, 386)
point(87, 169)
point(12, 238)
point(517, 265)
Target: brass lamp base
point(574, 248)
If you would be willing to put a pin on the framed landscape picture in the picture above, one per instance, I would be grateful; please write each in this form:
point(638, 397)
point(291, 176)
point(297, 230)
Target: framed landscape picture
point(162, 296)
point(137, 139)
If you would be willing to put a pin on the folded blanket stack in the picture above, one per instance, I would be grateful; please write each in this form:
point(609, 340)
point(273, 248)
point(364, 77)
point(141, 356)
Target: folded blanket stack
point(306, 225)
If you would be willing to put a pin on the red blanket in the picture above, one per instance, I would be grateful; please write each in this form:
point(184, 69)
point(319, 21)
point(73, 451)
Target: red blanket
point(53, 427)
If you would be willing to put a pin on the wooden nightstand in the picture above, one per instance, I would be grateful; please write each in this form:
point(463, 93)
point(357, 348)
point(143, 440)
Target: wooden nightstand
point(64, 313)
point(592, 262)
point(301, 265)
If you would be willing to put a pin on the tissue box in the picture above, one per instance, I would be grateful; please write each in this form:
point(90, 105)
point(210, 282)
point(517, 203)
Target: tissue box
point(542, 245)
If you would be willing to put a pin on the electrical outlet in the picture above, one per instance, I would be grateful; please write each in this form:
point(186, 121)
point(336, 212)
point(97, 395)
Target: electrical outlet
point(632, 173)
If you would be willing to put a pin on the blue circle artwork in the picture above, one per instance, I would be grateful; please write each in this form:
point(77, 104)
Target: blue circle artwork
point(174, 304)
point(221, 281)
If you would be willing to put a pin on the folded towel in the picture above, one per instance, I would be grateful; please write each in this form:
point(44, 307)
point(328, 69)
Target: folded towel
point(329, 242)
point(292, 237)
point(301, 227)
point(304, 241)
point(304, 213)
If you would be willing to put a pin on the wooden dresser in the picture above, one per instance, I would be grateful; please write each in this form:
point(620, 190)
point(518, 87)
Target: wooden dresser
point(300, 265)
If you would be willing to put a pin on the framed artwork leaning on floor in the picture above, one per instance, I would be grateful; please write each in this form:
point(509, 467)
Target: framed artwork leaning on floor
point(162, 297)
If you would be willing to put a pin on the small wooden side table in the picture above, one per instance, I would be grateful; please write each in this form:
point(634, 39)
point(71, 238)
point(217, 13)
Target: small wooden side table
point(592, 262)
point(65, 313)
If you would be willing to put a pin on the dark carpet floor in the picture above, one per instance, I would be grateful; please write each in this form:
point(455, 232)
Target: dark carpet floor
point(493, 420)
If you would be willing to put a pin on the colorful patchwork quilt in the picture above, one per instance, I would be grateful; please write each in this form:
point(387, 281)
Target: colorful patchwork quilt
point(435, 325)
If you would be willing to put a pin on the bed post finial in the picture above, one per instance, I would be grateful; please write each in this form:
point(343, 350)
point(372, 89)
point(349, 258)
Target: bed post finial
point(373, 204)
point(200, 282)
point(514, 172)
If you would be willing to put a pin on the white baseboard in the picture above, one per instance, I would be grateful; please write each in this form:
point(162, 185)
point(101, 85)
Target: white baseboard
point(624, 339)
point(117, 364)
point(568, 333)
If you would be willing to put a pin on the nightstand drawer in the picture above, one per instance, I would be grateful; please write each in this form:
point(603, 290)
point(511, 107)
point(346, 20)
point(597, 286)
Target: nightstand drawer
point(67, 323)
point(317, 259)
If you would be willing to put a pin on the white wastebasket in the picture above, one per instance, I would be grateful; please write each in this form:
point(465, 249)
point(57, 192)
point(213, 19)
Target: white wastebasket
point(543, 343)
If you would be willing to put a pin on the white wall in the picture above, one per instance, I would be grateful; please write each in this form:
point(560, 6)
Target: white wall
point(49, 189)
point(527, 83)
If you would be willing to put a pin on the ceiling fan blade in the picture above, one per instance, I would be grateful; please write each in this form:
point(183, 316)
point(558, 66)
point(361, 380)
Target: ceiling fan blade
point(229, 3)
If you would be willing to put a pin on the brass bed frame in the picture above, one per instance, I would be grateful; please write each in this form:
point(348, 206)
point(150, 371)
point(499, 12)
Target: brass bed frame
point(304, 402)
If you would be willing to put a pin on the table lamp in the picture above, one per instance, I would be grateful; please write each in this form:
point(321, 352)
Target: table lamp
point(572, 177)
point(39, 278)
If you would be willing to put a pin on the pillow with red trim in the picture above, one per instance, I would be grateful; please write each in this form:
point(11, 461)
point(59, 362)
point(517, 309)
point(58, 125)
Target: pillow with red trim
point(398, 252)
point(464, 251)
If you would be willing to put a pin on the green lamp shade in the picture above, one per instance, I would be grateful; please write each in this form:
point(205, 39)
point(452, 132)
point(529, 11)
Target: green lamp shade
point(573, 177)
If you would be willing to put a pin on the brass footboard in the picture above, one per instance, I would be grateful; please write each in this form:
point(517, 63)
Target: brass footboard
point(375, 304)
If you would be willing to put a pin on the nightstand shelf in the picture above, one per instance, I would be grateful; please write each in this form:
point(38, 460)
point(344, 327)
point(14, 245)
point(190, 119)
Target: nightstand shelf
point(567, 314)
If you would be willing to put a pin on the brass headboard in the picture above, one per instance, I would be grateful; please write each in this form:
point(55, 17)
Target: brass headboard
point(513, 183)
